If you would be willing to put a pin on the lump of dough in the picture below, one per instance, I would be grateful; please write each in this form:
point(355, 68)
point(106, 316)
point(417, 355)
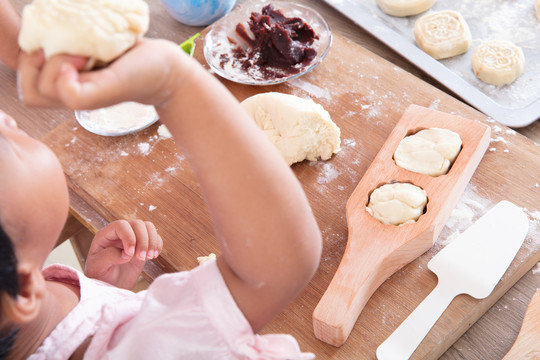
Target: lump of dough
point(299, 128)
point(99, 29)
point(204, 259)
point(498, 62)
point(429, 151)
point(397, 203)
point(405, 7)
point(442, 34)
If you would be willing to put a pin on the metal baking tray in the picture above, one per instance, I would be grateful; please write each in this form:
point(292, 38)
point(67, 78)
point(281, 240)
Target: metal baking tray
point(515, 105)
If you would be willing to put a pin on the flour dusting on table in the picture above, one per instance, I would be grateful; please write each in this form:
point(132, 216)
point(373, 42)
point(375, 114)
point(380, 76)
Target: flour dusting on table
point(328, 173)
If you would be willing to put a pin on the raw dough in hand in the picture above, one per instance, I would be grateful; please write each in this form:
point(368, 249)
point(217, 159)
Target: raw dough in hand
point(397, 203)
point(99, 29)
point(299, 128)
point(442, 34)
point(429, 151)
point(405, 7)
point(498, 62)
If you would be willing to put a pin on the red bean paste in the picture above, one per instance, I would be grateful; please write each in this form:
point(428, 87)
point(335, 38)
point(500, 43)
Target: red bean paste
point(280, 45)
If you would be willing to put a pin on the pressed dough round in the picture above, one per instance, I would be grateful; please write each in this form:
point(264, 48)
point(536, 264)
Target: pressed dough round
point(429, 151)
point(98, 29)
point(299, 128)
point(498, 62)
point(442, 34)
point(405, 7)
point(397, 203)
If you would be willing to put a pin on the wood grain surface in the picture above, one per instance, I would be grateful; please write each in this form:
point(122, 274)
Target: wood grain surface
point(527, 345)
point(365, 96)
point(366, 106)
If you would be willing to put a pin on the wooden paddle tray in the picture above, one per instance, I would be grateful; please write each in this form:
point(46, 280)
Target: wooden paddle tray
point(375, 250)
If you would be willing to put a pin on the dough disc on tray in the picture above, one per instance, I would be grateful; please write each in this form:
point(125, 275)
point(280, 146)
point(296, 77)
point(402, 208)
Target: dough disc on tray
point(442, 34)
point(405, 7)
point(498, 62)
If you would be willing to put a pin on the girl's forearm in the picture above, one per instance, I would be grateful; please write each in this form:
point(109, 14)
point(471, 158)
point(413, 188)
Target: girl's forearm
point(268, 235)
point(10, 24)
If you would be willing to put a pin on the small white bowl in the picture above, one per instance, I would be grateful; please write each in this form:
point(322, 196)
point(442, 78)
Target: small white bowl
point(121, 119)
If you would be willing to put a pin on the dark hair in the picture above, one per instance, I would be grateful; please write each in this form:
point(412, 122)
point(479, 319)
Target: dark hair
point(9, 283)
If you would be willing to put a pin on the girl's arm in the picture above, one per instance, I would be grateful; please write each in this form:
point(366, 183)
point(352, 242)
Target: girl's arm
point(10, 24)
point(268, 236)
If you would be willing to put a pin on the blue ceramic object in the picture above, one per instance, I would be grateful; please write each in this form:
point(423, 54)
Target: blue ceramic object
point(198, 12)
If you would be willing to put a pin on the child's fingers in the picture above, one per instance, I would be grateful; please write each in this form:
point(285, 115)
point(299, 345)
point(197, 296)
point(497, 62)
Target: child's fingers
point(141, 233)
point(28, 74)
point(118, 234)
point(110, 256)
point(123, 231)
point(90, 90)
point(155, 243)
point(50, 73)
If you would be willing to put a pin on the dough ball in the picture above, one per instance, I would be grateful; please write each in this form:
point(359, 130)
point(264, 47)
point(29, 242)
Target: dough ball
point(429, 151)
point(204, 259)
point(442, 34)
point(405, 7)
point(397, 203)
point(99, 29)
point(498, 62)
point(299, 128)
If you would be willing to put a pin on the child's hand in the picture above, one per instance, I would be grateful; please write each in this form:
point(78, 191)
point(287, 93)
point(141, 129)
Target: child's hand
point(147, 73)
point(119, 251)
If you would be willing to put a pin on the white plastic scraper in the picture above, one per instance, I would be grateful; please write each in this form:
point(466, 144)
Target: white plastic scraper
point(472, 264)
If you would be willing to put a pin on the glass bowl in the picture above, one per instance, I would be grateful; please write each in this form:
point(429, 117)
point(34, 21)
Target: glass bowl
point(221, 40)
point(121, 119)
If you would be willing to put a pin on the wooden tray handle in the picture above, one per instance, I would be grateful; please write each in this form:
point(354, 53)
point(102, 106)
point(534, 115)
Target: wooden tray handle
point(366, 264)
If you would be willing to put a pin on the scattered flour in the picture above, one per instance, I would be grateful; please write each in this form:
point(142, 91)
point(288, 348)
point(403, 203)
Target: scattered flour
point(328, 174)
point(536, 269)
point(144, 148)
point(123, 153)
point(472, 206)
point(164, 132)
point(311, 89)
point(469, 208)
point(152, 208)
point(499, 139)
point(435, 104)
point(349, 142)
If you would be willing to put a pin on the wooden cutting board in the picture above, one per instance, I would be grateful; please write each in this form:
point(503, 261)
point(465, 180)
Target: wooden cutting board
point(365, 96)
